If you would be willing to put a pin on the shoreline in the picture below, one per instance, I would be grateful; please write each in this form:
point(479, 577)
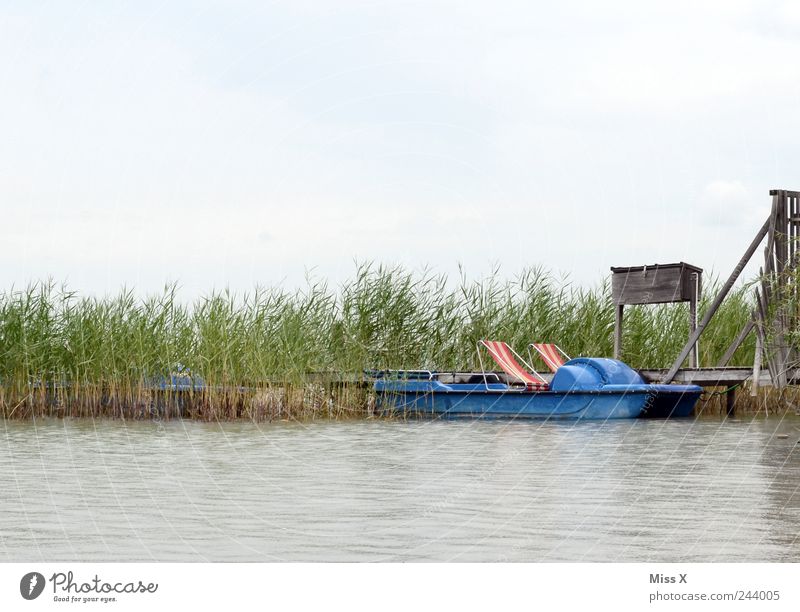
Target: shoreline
point(294, 402)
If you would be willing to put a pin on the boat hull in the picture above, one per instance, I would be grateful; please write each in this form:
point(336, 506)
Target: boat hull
point(514, 404)
point(583, 388)
point(671, 401)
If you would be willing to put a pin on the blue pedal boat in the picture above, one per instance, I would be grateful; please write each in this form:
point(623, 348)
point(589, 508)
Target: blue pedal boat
point(582, 388)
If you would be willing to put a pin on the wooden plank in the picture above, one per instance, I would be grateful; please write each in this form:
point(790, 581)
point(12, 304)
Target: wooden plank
point(791, 317)
point(791, 226)
point(780, 233)
point(778, 348)
point(693, 284)
point(784, 233)
point(782, 224)
point(654, 286)
point(761, 308)
point(662, 266)
point(769, 252)
point(716, 377)
point(771, 281)
point(693, 355)
point(756, 366)
point(712, 309)
point(771, 367)
point(794, 220)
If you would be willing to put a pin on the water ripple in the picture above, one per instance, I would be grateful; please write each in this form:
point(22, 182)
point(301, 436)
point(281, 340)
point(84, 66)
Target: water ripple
point(688, 490)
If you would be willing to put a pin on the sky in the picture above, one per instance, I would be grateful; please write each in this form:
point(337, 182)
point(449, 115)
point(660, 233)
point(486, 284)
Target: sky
point(243, 143)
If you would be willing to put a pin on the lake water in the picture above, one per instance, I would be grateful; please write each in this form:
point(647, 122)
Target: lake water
point(687, 490)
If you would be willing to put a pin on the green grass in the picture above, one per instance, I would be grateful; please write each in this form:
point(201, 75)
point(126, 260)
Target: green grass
point(98, 354)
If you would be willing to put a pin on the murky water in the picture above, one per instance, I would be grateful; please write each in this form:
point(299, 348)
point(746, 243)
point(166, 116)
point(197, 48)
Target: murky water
point(687, 490)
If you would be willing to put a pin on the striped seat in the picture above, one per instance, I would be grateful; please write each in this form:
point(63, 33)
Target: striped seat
point(551, 355)
point(504, 356)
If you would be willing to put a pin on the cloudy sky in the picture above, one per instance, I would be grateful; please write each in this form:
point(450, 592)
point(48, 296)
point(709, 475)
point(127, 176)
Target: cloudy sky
point(248, 142)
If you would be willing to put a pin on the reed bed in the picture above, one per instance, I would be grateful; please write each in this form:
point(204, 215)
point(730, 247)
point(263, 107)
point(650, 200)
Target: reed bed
point(275, 354)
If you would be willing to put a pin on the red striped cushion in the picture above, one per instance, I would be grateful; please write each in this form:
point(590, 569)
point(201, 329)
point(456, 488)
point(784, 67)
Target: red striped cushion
point(504, 357)
point(550, 355)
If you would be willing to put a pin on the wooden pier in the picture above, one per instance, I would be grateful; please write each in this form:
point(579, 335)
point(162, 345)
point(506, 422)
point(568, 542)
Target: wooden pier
point(716, 377)
point(774, 319)
point(709, 377)
point(775, 314)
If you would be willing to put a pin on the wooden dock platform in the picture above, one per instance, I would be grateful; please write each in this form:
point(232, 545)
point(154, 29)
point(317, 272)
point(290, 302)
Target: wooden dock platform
point(710, 377)
point(717, 377)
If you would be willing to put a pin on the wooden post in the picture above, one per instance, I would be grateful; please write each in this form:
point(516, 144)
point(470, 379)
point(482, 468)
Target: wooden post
point(778, 229)
point(730, 402)
point(693, 356)
point(756, 367)
point(712, 309)
point(618, 331)
point(791, 317)
point(760, 324)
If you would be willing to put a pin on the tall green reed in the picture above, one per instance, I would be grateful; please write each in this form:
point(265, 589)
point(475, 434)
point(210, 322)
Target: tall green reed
point(88, 355)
